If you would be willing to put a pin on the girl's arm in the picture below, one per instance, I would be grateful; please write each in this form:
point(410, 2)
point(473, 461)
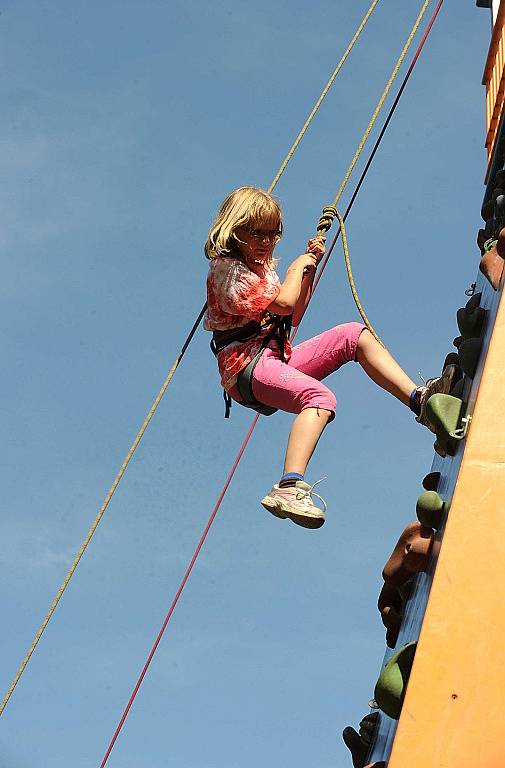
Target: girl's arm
point(304, 297)
point(296, 288)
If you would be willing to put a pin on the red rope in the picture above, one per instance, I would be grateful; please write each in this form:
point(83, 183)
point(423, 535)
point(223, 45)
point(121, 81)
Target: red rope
point(255, 419)
point(181, 587)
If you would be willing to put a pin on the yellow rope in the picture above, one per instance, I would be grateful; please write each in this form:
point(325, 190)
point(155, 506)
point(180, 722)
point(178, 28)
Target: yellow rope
point(95, 523)
point(322, 96)
point(330, 211)
point(351, 279)
point(381, 102)
point(160, 394)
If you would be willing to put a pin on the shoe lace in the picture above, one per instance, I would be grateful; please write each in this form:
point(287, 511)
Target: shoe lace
point(310, 492)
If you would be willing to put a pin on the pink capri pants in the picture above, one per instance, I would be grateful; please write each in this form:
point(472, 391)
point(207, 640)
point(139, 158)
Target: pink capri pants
point(296, 385)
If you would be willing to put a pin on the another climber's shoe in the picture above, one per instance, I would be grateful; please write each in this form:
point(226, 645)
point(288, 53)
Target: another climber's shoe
point(295, 502)
point(441, 385)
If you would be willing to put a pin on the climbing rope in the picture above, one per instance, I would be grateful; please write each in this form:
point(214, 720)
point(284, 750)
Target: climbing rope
point(169, 377)
point(365, 171)
point(321, 98)
point(256, 417)
point(330, 211)
point(351, 280)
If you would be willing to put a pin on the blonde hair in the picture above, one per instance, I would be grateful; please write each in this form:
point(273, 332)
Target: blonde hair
point(244, 207)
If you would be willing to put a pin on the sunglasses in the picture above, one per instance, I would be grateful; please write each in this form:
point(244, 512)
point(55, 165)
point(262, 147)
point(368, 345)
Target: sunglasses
point(265, 234)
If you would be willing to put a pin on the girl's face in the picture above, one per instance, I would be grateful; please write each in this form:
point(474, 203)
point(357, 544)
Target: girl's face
point(258, 241)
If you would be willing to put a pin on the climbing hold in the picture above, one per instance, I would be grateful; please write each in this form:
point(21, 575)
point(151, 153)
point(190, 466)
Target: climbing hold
point(429, 509)
point(392, 682)
point(391, 605)
point(500, 243)
point(431, 481)
point(482, 238)
point(359, 743)
point(458, 388)
point(438, 448)
point(470, 322)
point(491, 264)
point(451, 359)
point(409, 556)
point(499, 210)
point(473, 302)
point(499, 178)
point(487, 209)
point(443, 411)
point(468, 354)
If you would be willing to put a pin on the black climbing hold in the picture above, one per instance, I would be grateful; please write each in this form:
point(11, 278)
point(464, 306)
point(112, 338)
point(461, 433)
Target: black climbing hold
point(358, 750)
point(499, 178)
point(431, 481)
point(359, 743)
point(473, 302)
point(487, 209)
point(482, 238)
point(392, 683)
point(499, 210)
point(439, 448)
point(451, 359)
point(429, 509)
point(470, 322)
point(468, 354)
point(457, 390)
point(390, 605)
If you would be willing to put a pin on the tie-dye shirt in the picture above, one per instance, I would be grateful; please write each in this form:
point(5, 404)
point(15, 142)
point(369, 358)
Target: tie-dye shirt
point(237, 294)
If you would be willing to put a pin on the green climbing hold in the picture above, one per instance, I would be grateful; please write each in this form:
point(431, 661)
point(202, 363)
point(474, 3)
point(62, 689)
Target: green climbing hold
point(469, 353)
point(431, 481)
point(443, 412)
point(392, 683)
point(429, 509)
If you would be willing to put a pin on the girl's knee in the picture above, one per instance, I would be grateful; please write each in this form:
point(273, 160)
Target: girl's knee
point(364, 339)
point(322, 400)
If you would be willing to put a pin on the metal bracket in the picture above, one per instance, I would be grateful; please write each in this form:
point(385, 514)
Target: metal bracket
point(461, 433)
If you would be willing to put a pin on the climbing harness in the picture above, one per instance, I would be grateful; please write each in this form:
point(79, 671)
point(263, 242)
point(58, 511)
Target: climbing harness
point(270, 328)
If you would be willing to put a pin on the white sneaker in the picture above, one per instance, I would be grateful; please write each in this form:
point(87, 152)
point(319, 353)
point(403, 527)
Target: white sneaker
point(295, 502)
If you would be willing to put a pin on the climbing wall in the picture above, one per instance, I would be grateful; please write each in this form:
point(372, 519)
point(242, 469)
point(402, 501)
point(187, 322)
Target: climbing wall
point(452, 714)
point(438, 699)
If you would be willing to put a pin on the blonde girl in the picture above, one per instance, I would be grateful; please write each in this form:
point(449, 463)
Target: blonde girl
point(250, 312)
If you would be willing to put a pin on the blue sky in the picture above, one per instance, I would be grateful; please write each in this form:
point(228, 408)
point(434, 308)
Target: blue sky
point(124, 126)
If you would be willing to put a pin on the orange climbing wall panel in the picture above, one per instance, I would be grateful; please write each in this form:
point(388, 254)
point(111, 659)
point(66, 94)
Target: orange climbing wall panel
point(453, 715)
point(494, 80)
